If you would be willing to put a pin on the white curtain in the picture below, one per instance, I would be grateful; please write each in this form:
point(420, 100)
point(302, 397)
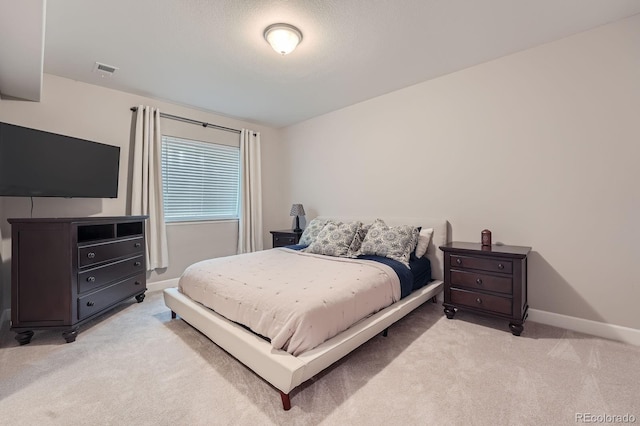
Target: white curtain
point(250, 223)
point(146, 191)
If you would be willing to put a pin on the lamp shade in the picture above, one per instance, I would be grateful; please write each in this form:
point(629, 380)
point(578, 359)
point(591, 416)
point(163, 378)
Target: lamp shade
point(283, 37)
point(297, 210)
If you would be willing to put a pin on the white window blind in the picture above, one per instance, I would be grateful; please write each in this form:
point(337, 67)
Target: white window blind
point(200, 180)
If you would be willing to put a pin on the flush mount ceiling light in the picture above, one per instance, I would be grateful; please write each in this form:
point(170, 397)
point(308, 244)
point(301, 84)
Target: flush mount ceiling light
point(283, 37)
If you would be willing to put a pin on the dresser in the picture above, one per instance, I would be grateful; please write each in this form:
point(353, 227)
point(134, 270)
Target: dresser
point(67, 271)
point(489, 280)
point(285, 237)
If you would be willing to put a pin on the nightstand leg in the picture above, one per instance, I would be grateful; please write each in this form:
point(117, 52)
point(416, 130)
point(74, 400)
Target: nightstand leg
point(516, 329)
point(70, 335)
point(449, 312)
point(24, 337)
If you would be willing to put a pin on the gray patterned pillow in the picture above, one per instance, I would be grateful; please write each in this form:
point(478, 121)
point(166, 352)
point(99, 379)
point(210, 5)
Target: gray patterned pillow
point(354, 248)
point(334, 239)
point(311, 231)
point(394, 242)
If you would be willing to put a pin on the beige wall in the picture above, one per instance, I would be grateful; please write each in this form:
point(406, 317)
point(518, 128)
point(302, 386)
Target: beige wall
point(103, 115)
point(541, 147)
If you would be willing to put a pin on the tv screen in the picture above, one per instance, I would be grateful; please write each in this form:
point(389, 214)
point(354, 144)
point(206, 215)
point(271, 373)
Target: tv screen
point(34, 163)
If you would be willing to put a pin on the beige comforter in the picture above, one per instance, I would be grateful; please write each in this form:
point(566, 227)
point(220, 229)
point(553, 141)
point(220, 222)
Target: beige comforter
point(298, 300)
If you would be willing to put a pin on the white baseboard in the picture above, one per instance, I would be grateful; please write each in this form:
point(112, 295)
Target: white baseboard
point(161, 285)
point(595, 328)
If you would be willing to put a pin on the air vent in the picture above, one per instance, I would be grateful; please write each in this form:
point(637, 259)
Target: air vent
point(104, 70)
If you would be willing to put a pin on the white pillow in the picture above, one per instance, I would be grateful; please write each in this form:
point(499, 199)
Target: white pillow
point(423, 241)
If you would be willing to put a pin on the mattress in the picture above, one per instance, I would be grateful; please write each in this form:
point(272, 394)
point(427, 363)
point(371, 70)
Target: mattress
point(295, 300)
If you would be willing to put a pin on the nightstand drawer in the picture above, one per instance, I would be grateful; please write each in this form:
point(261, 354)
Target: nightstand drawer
point(477, 281)
point(488, 264)
point(485, 302)
point(285, 237)
point(281, 240)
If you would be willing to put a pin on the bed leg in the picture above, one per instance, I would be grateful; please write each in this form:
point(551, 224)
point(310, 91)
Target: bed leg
point(385, 332)
point(286, 402)
point(434, 299)
point(173, 315)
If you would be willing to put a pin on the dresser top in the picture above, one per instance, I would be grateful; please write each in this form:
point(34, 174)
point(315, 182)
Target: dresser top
point(479, 249)
point(78, 219)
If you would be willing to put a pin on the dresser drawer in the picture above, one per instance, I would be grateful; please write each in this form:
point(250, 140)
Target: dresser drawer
point(95, 302)
point(484, 264)
point(97, 277)
point(485, 302)
point(99, 253)
point(478, 281)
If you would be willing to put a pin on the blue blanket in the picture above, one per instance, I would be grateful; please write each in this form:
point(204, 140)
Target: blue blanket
point(404, 273)
point(417, 275)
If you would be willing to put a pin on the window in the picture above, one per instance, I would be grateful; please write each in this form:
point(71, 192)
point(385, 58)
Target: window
point(200, 180)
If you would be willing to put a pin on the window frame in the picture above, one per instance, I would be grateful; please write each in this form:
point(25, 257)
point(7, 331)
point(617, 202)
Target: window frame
point(198, 150)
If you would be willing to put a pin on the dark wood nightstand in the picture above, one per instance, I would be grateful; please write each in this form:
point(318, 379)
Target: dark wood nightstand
point(285, 237)
point(486, 280)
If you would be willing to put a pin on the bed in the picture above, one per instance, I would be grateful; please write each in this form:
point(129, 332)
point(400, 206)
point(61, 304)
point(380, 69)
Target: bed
point(285, 370)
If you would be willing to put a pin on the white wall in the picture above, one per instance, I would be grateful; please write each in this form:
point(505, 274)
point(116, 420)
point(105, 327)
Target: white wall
point(541, 147)
point(103, 115)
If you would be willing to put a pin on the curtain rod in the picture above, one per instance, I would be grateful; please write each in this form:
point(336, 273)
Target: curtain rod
point(189, 120)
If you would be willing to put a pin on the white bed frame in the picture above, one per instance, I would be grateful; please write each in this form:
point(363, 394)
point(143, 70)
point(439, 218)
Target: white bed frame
point(285, 371)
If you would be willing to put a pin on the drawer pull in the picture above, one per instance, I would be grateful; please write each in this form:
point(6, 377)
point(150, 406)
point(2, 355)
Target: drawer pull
point(459, 261)
point(479, 281)
point(137, 283)
point(500, 266)
point(136, 245)
point(90, 303)
point(137, 263)
point(479, 301)
point(91, 279)
point(91, 255)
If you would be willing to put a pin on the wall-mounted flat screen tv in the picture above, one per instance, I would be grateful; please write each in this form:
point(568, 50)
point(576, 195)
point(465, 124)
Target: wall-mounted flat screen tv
point(34, 163)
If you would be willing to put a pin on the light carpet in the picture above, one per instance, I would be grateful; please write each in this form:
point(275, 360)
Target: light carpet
point(137, 366)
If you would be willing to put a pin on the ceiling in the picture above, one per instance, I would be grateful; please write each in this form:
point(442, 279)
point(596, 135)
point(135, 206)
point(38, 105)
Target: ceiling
point(211, 55)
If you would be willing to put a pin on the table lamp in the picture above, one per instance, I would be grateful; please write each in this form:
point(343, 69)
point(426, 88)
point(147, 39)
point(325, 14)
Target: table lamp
point(297, 210)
